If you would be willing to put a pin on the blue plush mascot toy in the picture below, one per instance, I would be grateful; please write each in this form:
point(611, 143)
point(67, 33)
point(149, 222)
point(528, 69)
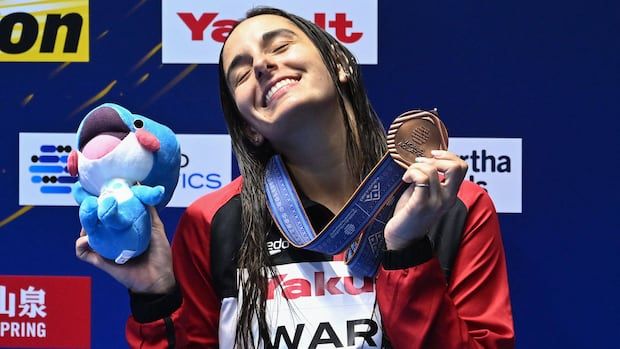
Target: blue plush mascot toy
point(124, 163)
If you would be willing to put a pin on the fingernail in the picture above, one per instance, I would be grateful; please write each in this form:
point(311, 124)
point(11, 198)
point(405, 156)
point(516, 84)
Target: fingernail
point(421, 159)
point(438, 152)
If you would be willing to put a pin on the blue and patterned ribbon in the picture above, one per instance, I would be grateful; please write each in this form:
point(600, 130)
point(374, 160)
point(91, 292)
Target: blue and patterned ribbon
point(358, 226)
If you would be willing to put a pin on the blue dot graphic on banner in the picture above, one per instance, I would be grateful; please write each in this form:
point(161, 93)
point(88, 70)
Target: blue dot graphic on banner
point(49, 169)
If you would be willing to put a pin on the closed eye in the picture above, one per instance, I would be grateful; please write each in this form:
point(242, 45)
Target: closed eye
point(242, 77)
point(280, 47)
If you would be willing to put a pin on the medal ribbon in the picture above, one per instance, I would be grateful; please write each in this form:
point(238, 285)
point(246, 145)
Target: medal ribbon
point(359, 224)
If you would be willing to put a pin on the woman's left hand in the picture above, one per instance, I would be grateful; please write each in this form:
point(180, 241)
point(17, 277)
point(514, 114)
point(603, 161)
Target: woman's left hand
point(426, 199)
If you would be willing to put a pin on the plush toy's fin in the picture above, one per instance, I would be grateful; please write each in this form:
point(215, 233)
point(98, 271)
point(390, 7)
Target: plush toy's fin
point(79, 194)
point(111, 216)
point(150, 196)
point(88, 214)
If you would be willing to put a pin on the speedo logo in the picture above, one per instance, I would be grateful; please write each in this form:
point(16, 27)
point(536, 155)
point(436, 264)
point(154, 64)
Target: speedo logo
point(319, 286)
point(275, 247)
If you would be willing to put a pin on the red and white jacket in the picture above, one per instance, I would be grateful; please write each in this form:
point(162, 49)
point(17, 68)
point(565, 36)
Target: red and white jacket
point(447, 291)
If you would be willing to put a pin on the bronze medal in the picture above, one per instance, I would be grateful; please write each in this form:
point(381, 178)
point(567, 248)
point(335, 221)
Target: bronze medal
point(414, 134)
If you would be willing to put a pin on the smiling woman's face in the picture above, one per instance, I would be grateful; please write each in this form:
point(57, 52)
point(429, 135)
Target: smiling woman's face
point(276, 76)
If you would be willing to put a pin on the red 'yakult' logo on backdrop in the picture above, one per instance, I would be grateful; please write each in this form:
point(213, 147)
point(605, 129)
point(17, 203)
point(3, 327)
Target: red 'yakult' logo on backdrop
point(193, 31)
point(44, 312)
point(218, 28)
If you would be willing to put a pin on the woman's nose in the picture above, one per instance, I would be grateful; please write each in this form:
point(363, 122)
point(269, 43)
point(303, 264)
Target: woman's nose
point(264, 67)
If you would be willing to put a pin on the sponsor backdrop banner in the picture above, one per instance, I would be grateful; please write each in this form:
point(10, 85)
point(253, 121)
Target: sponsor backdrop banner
point(495, 165)
point(44, 311)
point(528, 92)
point(44, 31)
point(193, 31)
point(44, 179)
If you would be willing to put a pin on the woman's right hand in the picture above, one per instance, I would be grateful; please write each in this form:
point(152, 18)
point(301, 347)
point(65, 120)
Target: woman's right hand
point(149, 273)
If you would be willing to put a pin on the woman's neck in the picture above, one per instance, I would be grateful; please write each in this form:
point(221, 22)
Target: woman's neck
point(319, 166)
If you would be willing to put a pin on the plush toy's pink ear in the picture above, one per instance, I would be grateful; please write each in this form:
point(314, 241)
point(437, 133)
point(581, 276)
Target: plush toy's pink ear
point(148, 140)
point(72, 163)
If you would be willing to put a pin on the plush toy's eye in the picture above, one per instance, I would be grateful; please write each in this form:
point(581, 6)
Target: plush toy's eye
point(138, 123)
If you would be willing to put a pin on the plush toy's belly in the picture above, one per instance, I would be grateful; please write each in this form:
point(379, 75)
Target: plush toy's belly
point(118, 189)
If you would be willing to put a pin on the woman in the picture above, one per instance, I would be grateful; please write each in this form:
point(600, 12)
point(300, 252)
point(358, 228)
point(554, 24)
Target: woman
point(289, 88)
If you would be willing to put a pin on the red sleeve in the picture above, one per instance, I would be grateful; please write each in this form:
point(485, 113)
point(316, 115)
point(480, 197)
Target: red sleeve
point(418, 308)
point(195, 324)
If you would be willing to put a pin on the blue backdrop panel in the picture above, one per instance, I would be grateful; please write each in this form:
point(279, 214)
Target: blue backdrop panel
point(546, 73)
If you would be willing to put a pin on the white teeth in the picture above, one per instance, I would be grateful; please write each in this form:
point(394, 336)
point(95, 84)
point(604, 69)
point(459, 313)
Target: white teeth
point(276, 87)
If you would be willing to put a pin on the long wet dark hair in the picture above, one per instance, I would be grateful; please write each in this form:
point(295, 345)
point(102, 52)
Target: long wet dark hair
point(365, 146)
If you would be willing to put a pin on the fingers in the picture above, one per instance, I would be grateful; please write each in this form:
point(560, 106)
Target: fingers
point(434, 185)
point(451, 165)
point(155, 220)
point(425, 180)
point(84, 252)
point(445, 161)
point(158, 232)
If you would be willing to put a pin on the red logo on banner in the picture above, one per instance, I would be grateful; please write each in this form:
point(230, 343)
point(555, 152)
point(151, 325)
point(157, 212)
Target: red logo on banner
point(44, 311)
point(221, 28)
point(300, 287)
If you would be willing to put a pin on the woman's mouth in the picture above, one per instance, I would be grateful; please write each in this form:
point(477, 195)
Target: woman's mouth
point(278, 89)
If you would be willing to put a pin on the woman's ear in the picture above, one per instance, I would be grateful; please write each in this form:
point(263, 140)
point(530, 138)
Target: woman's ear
point(253, 136)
